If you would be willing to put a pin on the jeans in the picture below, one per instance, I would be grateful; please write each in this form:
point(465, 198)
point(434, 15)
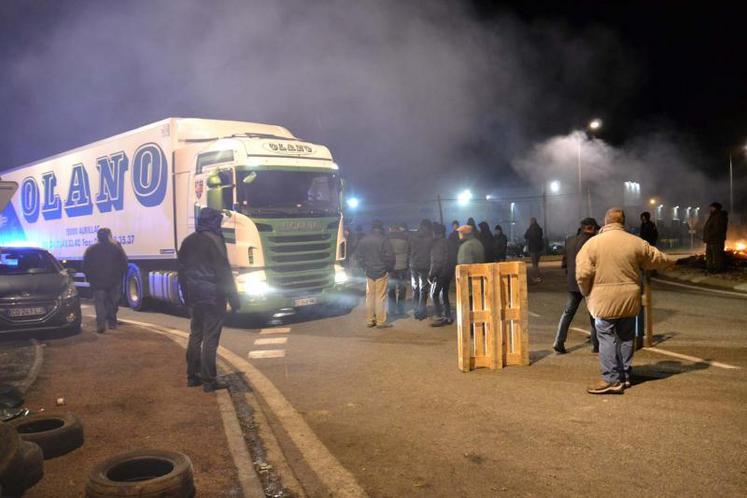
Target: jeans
point(616, 348)
point(376, 300)
point(204, 335)
point(440, 296)
point(106, 303)
point(715, 257)
point(397, 291)
point(420, 289)
point(574, 299)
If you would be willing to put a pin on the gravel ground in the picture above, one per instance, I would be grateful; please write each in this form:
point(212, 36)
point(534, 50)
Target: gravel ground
point(128, 387)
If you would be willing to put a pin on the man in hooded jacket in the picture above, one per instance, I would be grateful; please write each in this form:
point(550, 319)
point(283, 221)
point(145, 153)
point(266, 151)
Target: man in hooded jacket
point(207, 283)
point(420, 262)
point(105, 264)
point(440, 274)
point(376, 257)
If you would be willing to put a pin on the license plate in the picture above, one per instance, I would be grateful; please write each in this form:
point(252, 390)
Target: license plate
point(304, 301)
point(18, 312)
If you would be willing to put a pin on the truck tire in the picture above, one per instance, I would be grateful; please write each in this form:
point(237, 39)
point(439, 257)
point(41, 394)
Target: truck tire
point(143, 473)
point(135, 288)
point(55, 434)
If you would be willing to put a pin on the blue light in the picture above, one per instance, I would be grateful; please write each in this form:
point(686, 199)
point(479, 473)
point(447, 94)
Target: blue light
point(353, 202)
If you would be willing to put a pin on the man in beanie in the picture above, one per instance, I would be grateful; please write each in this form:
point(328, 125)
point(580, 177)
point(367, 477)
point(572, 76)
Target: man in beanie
point(573, 244)
point(376, 257)
point(207, 283)
point(608, 273)
point(105, 264)
point(471, 251)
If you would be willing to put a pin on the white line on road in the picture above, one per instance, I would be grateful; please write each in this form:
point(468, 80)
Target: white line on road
point(704, 289)
point(270, 340)
point(276, 330)
point(267, 353)
point(693, 359)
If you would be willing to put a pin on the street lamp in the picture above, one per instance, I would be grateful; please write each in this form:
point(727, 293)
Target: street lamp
point(353, 202)
point(554, 186)
point(593, 126)
point(652, 201)
point(464, 197)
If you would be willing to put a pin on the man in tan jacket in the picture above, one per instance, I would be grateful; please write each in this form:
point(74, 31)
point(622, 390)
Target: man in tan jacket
point(608, 272)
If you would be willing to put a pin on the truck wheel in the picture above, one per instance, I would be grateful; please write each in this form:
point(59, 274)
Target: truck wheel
point(165, 474)
point(134, 288)
point(55, 434)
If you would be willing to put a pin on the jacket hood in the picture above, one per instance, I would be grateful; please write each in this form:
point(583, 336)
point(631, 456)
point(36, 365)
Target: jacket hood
point(209, 221)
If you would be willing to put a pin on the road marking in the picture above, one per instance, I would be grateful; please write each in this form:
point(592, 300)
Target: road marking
point(276, 330)
point(329, 470)
point(536, 315)
point(267, 353)
point(693, 359)
point(695, 287)
point(270, 340)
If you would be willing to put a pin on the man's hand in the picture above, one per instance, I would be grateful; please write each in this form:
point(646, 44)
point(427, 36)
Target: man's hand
point(234, 302)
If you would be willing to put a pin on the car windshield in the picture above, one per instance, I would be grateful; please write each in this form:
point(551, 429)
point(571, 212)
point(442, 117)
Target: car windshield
point(27, 261)
point(282, 193)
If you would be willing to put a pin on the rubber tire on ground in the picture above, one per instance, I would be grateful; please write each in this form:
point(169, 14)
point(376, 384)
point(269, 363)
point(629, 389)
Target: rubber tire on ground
point(118, 476)
point(11, 458)
point(135, 275)
point(33, 463)
point(55, 434)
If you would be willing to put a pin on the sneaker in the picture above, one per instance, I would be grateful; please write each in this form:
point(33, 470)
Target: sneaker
point(627, 384)
point(559, 349)
point(604, 387)
point(194, 381)
point(384, 326)
point(371, 324)
point(214, 386)
point(438, 323)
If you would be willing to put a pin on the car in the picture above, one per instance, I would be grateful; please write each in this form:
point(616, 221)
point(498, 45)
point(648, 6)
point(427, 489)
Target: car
point(36, 292)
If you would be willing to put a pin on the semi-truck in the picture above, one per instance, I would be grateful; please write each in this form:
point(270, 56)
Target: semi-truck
point(280, 196)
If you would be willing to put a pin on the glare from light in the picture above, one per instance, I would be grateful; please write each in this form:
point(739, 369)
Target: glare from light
point(488, 197)
point(652, 201)
point(595, 124)
point(464, 197)
point(353, 202)
point(341, 275)
point(554, 186)
point(17, 244)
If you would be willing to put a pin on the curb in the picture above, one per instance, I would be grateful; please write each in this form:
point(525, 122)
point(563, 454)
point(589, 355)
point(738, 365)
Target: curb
point(35, 367)
point(704, 282)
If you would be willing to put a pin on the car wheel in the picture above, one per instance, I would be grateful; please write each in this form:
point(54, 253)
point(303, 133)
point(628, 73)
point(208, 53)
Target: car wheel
point(156, 473)
point(55, 434)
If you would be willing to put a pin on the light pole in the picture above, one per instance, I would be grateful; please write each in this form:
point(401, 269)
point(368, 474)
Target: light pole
point(593, 126)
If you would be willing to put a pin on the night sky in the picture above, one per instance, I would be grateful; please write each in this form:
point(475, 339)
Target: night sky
point(423, 94)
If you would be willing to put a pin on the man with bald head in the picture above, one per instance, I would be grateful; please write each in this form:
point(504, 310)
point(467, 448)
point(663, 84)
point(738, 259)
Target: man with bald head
point(608, 273)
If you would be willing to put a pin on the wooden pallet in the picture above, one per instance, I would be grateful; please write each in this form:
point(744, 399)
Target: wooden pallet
point(492, 315)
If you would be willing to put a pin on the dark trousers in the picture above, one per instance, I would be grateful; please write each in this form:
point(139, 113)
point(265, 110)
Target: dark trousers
point(420, 290)
point(715, 257)
point(571, 306)
point(106, 303)
point(204, 336)
point(440, 296)
point(397, 291)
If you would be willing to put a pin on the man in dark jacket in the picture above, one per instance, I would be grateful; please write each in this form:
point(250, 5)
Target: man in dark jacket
point(714, 236)
point(420, 262)
point(454, 242)
point(207, 283)
point(501, 244)
point(573, 244)
point(485, 236)
point(535, 246)
point(648, 231)
point(471, 250)
point(400, 240)
point(105, 264)
point(440, 274)
point(376, 258)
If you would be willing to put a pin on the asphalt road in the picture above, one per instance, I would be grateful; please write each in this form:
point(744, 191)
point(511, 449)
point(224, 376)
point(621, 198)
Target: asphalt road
point(394, 409)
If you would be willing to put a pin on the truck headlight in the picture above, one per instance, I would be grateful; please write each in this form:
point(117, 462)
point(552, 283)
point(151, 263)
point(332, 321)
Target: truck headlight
point(341, 275)
point(253, 283)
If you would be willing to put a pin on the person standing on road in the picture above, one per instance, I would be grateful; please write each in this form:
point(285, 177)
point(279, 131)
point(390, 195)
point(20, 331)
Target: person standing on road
point(573, 244)
point(471, 250)
point(648, 231)
point(376, 257)
point(485, 236)
point(608, 273)
point(398, 278)
point(105, 265)
point(454, 242)
point(207, 283)
point(439, 275)
point(714, 236)
point(420, 262)
point(501, 244)
point(535, 246)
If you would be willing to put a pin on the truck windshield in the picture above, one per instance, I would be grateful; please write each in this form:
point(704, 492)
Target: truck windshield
point(276, 193)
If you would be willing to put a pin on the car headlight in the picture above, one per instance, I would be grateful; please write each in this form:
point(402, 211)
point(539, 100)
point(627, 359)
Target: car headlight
point(341, 276)
point(70, 292)
point(252, 284)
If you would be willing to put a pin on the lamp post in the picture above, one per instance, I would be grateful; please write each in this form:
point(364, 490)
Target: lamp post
point(593, 126)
